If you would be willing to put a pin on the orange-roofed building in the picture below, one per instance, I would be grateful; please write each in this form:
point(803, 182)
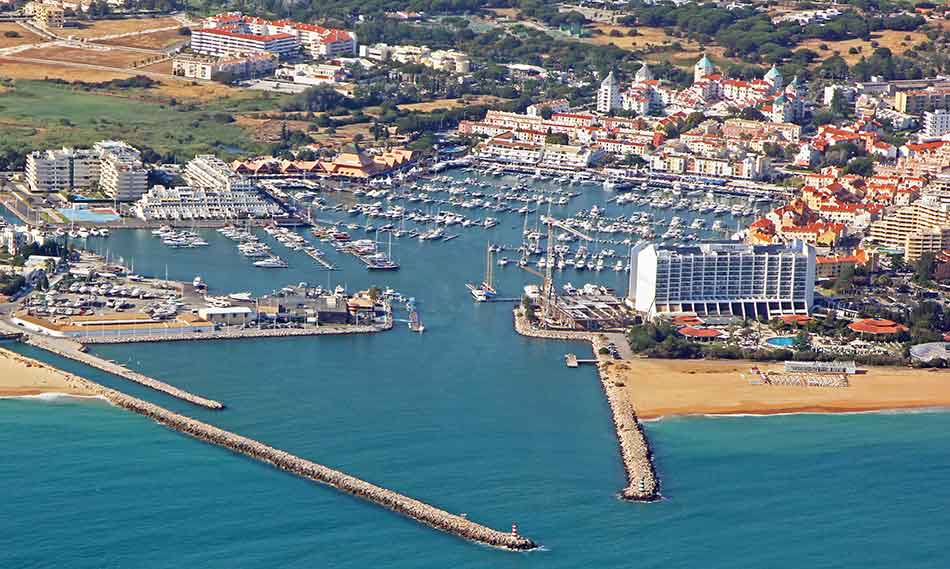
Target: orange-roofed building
point(877, 327)
point(701, 334)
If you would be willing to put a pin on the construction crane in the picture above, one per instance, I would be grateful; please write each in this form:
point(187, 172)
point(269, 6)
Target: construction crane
point(547, 282)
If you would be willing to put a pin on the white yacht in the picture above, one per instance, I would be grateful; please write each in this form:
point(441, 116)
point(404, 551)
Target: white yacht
point(272, 263)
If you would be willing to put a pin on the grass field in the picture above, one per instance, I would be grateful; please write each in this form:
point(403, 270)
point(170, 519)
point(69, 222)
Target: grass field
point(151, 40)
point(35, 114)
point(25, 36)
point(104, 57)
point(891, 39)
point(101, 28)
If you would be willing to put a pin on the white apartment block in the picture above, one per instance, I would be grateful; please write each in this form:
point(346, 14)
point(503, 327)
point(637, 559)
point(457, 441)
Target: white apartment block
point(723, 279)
point(219, 43)
point(448, 60)
point(65, 169)
point(936, 123)
point(185, 203)
point(121, 172)
point(113, 166)
point(225, 32)
point(608, 95)
point(209, 172)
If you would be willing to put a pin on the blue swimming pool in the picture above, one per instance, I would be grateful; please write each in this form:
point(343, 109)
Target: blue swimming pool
point(781, 341)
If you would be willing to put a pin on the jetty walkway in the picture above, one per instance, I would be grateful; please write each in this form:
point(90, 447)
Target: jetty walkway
point(411, 508)
point(74, 351)
point(642, 482)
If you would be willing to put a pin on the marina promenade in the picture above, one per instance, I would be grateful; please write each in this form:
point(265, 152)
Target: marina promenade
point(416, 510)
point(642, 482)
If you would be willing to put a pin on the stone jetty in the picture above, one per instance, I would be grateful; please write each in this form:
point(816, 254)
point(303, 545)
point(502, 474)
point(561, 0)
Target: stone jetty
point(411, 508)
point(74, 351)
point(642, 482)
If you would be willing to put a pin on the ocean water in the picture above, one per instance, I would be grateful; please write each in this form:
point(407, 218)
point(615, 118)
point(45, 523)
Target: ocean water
point(468, 416)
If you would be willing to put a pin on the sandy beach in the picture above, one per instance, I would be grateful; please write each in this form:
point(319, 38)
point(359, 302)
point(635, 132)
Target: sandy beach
point(658, 388)
point(20, 376)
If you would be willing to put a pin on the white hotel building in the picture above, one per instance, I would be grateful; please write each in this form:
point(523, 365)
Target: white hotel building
point(723, 279)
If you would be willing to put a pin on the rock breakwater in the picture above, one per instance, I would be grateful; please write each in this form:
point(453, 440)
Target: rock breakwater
point(73, 351)
point(635, 454)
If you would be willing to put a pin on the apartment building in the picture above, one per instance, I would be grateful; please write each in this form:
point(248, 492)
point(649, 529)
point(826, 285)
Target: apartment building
point(64, 169)
point(240, 66)
point(113, 166)
point(748, 167)
point(48, 16)
point(222, 42)
point(234, 32)
point(206, 171)
point(916, 102)
point(122, 175)
point(921, 227)
point(723, 279)
point(936, 123)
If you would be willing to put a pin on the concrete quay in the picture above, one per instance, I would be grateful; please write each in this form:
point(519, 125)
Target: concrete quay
point(240, 334)
point(409, 507)
point(635, 454)
point(72, 350)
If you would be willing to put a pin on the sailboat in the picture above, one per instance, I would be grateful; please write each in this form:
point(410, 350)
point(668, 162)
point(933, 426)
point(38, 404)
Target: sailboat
point(486, 290)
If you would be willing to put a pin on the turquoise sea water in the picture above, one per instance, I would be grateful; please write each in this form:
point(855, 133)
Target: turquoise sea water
point(467, 416)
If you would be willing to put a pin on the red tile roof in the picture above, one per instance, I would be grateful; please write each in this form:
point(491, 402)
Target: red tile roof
point(877, 326)
point(691, 332)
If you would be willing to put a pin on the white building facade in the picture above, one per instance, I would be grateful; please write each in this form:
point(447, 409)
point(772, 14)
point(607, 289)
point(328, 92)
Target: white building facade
point(723, 279)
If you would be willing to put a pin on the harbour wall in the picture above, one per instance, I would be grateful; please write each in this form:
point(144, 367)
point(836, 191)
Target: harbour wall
point(411, 508)
point(238, 335)
point(635, 454)
point(73, 351)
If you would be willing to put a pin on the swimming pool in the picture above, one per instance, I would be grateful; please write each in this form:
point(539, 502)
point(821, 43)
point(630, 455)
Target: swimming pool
point(781, 341)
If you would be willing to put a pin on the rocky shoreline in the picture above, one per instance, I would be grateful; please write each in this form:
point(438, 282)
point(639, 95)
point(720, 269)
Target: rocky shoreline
point(637, 458)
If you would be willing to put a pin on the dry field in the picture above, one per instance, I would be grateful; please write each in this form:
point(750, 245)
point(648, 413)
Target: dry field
point(151, 40)
point(170, 88)
point(25, 36)
point(104, 57)
point(39, 71)
point(647, 37)
point(510, 13)
point(100, 28)
point(891, 39)
point(449, 104)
